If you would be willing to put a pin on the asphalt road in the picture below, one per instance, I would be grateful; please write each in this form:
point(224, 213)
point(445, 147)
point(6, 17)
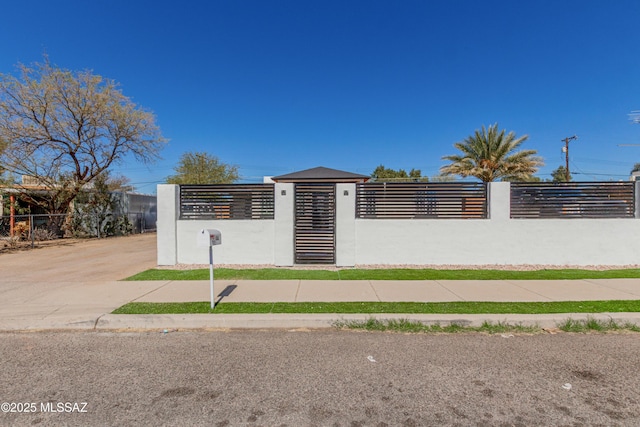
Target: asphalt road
point(319, 378)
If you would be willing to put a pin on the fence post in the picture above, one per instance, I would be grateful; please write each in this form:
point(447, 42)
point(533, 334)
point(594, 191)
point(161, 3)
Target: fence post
point(637, 197)
point(499, 200)
point(345, 224)
point(12, 215)
point(284, 219)
point(31, 230)
point(168, 216)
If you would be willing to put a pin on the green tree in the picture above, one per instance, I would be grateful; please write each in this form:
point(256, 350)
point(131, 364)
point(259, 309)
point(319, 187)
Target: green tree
point(202, 168)
point(65, 128)
point(560, 175)
point(382, 174)
point(441, 178)
point(490, 155)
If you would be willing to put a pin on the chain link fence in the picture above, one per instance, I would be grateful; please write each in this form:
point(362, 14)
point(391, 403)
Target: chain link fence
point(23, 231)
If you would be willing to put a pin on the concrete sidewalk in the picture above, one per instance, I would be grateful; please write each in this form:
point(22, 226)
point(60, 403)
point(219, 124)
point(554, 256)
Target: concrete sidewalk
point(86, 306)
point(392, 291)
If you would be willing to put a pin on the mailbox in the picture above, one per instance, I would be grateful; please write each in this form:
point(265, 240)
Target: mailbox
point(209, 237)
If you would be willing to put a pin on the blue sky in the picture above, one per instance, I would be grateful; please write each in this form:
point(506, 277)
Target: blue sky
point(284, 85)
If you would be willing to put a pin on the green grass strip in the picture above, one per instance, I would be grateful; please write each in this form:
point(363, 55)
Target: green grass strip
point(595, 325)
point(414, 326)
point(631, 306)
point(236, 274)
point(383, 274)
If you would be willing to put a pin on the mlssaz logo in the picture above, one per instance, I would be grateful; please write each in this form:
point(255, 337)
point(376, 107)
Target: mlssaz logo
point(63, 407)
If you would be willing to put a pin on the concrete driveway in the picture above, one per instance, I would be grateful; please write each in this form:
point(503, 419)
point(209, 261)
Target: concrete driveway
point(109, 259)
point(75, 282)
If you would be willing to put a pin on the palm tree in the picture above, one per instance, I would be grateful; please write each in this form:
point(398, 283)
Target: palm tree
point(490, 155)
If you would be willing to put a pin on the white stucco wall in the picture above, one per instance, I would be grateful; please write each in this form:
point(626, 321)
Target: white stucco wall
point(476, 242)
point(243, 242)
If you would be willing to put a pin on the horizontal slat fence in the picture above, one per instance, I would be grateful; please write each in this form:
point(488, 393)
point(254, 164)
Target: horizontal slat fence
point(237, 201)
point(450, 200)
point(573, 200)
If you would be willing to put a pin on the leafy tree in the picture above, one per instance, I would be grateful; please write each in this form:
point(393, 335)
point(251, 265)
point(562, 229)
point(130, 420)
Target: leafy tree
point(560, 175)
point(382, 174)
point(441, 178)
point(530, 178)
point(490, 155)
point(636, 168)
point(66, 128)
point(202, 168)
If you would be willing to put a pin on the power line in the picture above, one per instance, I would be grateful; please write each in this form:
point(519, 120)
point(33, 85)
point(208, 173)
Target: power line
point(592, 174)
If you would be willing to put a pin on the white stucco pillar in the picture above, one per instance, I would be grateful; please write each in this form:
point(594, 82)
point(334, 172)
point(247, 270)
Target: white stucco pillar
point(345, 225)
point(284, 223)
point(168, 215)
point(499, 194)
point(637, 206)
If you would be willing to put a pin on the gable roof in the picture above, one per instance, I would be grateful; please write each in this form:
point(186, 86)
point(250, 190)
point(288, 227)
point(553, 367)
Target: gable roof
point(321, 174)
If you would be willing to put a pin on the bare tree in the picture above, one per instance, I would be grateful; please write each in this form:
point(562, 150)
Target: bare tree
point(65, 128)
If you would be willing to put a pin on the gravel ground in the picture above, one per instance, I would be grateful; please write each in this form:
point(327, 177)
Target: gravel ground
point(521, 267)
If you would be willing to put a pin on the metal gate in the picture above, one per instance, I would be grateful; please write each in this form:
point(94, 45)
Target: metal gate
point(315, 223)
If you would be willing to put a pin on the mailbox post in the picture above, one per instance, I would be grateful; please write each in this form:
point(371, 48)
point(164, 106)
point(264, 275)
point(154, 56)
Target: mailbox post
point(210, 237)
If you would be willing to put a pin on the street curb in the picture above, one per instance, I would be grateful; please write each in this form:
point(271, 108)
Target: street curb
point(184, 322)
point(319, 321)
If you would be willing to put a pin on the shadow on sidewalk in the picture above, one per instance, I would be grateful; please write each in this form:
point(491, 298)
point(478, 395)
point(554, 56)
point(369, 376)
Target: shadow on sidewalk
point(226, 292)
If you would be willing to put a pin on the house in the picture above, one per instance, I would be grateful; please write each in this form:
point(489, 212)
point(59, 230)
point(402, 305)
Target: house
point(140, 210)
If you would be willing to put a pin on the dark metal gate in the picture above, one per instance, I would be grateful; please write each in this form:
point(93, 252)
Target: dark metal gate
point(315, 223)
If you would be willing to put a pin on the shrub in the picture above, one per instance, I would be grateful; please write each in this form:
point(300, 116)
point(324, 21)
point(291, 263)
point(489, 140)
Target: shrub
point(21, 230)
point(42, 234)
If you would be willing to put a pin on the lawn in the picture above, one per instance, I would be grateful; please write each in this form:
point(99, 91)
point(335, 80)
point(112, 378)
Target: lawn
point(384, 274)
point(631, 306)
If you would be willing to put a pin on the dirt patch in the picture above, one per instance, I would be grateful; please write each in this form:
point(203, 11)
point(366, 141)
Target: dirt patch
point(72, 260)
point(25, 245)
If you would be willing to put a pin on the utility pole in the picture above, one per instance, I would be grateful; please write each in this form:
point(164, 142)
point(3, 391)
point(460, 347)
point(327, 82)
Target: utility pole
point(566, 153)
